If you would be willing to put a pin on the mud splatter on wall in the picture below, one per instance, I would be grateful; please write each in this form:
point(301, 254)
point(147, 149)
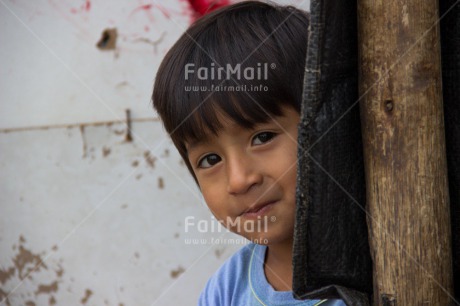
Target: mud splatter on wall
point(177, 272)
point(88, 294)
point(24, 267)
point(161, 184)
point(149, 159)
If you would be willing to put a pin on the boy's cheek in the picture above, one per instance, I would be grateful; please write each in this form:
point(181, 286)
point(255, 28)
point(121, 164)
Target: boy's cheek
point(214, 203)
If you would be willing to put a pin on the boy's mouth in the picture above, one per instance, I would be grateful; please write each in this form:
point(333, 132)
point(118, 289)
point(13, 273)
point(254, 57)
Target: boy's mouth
point(258, 210)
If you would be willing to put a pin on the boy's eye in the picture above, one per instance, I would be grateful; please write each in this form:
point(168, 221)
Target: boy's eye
point(209, 161)
point(262, 138)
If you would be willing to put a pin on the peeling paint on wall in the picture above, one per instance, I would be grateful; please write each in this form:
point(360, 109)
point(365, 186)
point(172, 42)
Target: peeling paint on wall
point(108, 40)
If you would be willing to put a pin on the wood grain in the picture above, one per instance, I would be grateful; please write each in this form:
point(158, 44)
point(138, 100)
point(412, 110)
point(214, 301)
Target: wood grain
point(404, 148)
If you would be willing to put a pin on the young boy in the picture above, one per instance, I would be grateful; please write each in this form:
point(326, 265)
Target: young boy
point(229, 94)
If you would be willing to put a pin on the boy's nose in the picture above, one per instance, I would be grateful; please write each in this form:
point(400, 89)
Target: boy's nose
point(242, 175)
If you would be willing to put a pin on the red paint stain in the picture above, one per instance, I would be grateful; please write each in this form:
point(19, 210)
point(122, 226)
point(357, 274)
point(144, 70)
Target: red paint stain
point(145, 7)
point(88, 5)
point(164, 11)
point(149, 7)
point(202, 7)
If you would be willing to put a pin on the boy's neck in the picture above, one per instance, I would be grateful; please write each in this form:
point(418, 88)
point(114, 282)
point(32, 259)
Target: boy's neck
point(278, 266)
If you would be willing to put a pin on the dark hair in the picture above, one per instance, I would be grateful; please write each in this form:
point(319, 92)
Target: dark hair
point(269, 38)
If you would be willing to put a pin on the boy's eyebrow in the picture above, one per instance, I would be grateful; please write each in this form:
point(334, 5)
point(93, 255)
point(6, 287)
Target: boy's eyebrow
point(195, 143)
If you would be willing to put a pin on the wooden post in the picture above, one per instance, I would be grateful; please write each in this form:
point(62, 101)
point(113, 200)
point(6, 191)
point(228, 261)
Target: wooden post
point(404, 149)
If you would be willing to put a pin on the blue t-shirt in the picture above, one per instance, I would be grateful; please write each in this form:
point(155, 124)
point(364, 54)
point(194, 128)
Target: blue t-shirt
point(241, 282)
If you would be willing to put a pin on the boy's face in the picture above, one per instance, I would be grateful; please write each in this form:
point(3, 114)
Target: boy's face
point(248, 177)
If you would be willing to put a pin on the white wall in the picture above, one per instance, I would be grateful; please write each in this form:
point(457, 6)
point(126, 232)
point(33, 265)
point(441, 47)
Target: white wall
point(87, 217)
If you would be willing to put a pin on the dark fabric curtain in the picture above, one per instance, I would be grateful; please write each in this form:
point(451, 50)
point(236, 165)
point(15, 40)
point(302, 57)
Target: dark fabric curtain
point(331, 250)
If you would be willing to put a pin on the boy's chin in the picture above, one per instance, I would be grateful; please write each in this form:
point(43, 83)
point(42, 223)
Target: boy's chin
point(261, 239)
point(269, 238)
point(264, 235)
